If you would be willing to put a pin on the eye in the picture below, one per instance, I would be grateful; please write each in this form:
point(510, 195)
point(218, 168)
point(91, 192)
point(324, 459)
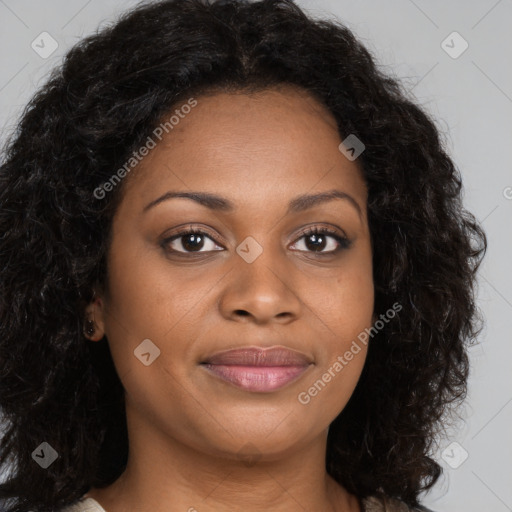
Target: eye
point(317, 239)
point(190, 241)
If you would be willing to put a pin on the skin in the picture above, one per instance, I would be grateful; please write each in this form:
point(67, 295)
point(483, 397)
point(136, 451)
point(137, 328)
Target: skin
point(188, 429)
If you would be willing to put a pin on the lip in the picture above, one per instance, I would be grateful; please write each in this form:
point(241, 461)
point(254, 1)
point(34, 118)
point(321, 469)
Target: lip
point(257, 356)
point(256, 369)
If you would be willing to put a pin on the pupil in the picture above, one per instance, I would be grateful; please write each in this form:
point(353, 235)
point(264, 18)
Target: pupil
point(318, 240)
point(196, 238)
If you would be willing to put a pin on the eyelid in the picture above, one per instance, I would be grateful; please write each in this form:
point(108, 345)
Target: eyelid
point(187, 228)
point(321, 229)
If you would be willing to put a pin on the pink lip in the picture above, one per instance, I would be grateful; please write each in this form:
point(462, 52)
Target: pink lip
point(256, 369)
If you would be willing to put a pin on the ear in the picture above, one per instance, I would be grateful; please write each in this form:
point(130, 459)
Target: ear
point(94, 321)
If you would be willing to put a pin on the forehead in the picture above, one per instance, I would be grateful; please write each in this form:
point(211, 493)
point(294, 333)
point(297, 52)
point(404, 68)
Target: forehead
point(256, 146)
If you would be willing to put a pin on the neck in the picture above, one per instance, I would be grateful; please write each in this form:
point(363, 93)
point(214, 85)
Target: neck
point(165, 474)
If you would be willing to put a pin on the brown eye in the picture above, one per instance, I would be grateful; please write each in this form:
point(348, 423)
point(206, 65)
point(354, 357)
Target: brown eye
point(317, 240)
point(190, 241)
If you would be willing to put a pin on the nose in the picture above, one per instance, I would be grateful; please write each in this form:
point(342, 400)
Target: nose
point(261, 292)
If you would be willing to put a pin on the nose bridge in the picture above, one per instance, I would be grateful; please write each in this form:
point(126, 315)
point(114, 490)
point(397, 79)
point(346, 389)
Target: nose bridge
point(260, 264)
point(259, 283)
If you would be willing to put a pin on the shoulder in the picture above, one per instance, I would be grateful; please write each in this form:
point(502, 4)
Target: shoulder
point(84, 505)
point(383, 503)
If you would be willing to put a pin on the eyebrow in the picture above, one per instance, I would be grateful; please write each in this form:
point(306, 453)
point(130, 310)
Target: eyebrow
point(218, 203)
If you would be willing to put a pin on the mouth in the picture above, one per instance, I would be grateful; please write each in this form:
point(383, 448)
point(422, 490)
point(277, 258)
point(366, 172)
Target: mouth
point(258, 370)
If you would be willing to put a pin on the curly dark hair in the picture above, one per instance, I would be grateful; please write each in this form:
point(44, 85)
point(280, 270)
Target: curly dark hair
point(110, 92)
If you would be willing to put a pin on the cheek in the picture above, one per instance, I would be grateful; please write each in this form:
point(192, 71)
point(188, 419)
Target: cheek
point(345, 303)
point(342, 345)
point(148, 300)
point(134, 310)
point(144, 296)
point(344, 308)
point(326, 394)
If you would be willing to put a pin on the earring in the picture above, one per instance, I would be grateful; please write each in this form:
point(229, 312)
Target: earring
point(89, 330)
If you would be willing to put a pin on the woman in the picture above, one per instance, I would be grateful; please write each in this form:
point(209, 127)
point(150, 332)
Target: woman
point(236, 273)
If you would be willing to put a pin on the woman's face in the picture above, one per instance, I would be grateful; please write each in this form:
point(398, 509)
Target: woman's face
point(250, 279)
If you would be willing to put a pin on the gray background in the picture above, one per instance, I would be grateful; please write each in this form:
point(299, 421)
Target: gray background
point(471, 98)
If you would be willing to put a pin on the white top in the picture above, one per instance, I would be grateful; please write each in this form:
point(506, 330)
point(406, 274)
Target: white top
point(85, 505)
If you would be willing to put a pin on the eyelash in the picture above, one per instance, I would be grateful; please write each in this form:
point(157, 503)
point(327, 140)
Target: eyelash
point(344, 243)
